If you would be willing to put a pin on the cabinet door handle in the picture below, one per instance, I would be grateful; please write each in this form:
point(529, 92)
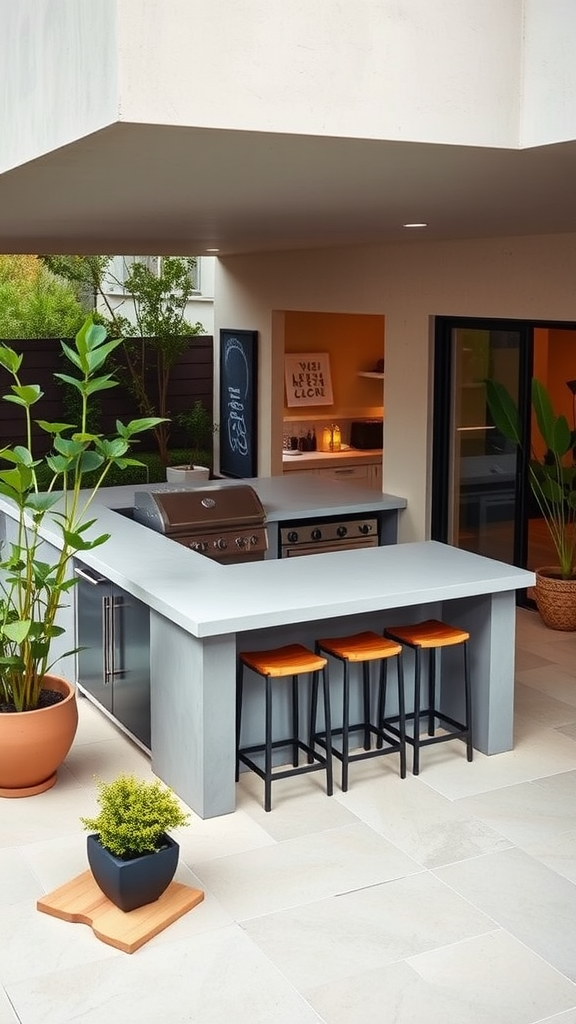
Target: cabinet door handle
point(108, 655)
point(116, 604)
point(90, 576)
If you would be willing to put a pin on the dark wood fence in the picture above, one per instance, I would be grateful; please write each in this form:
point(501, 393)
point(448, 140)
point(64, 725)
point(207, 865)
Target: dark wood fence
point(190, 379)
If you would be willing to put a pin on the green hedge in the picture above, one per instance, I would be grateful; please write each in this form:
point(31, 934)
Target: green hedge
point(151, 472)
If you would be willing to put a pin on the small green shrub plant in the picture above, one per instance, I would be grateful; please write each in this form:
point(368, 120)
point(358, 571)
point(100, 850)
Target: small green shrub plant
point(134, 815)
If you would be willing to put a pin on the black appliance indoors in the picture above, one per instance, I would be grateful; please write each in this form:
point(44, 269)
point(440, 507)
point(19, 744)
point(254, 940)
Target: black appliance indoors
point(367, 434)
point(113, 664)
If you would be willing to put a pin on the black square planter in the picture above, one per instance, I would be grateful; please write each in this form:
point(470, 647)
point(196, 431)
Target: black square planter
point(133, 883)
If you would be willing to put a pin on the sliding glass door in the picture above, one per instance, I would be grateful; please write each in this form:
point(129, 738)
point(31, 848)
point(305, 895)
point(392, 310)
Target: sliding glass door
point(477, 474)
point(481, 498)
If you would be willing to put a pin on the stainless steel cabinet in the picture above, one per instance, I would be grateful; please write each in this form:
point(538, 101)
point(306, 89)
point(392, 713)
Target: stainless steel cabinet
point(113, 665)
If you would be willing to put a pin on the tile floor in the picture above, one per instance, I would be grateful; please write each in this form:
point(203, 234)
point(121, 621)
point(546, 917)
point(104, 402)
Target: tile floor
point(446, 898)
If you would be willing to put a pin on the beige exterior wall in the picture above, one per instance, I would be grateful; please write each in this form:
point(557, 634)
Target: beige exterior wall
point(409, 284)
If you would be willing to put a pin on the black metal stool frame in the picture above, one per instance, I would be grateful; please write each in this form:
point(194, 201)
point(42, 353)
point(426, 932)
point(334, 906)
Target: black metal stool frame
point(315, 762)
point(458, 729)
point(396, 742)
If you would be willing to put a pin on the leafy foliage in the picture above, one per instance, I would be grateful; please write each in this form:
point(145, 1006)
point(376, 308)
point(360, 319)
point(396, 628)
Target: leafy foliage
point(133, 815)
point(34, 303)
point(31, 589)
point(552, 478)
point(162, 331)
point(199, 427)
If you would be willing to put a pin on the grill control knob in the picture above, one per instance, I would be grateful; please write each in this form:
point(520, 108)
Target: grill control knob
point(342, 531)
point(199, 545)
point(241, 542)
point(364, 528)
point(253, 540)
point(221, 544)
point(316, 534)
point(292, 536)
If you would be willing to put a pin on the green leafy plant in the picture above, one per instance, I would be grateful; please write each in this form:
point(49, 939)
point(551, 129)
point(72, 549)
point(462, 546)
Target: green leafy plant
point(134, 815)
point(32, 590)
point(34, 303)
point(552, 477)
point(160, 294)
point(199, 427)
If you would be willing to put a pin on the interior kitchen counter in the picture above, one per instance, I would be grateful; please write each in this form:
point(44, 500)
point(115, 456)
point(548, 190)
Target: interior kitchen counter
point(327, 460)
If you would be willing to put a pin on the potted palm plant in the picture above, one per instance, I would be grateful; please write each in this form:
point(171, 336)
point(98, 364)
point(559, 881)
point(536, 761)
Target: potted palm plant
point(553, 484)
point(131, 856)
point(38, 714)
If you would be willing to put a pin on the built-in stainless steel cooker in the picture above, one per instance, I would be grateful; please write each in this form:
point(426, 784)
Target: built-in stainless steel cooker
point(313, 537)
point(227, 524)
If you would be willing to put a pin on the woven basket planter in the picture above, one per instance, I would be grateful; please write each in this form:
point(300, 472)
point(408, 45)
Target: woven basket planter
point(555, 598)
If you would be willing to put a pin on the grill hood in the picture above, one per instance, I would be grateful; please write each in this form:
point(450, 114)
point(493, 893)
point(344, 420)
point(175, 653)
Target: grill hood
point(198, 509)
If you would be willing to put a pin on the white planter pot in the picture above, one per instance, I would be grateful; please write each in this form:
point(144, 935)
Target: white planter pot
point(187, 474)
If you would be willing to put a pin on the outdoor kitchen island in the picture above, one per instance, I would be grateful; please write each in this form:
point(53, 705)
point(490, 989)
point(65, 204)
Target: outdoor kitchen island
point(202, 613)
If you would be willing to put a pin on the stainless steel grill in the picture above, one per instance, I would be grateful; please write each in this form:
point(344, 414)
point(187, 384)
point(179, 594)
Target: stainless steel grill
point(225, 523)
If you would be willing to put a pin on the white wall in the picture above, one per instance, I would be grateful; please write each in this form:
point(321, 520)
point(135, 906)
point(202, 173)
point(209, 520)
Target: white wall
point(549, 72)
point(422, 70)
point(58, 71)
point(532, 278)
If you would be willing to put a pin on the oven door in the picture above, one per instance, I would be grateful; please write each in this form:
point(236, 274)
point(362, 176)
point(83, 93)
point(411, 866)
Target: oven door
point(320, 547)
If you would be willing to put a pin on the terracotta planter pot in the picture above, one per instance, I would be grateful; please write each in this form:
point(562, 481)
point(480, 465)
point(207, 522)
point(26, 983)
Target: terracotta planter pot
point(555, 599)
point(133, 883)
point(34, 743)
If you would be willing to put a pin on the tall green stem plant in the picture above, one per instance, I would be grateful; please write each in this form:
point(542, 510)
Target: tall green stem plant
point(552, 477)
point(32, 590)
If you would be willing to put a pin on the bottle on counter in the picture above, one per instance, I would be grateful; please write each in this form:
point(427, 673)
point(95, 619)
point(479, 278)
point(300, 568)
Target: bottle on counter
point(314, 441)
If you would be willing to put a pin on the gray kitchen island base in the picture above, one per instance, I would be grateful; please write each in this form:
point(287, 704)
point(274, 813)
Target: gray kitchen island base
point(202, 612)
point(193, 690)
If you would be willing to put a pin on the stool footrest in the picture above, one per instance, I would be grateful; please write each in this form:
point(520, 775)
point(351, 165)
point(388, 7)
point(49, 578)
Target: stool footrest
point(318, 764)
point(394, 742)
point(458, 729)
point(394, 745)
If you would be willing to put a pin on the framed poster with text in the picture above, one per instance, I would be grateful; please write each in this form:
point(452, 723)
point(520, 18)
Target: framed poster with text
point(307, 378)
point(238, 403)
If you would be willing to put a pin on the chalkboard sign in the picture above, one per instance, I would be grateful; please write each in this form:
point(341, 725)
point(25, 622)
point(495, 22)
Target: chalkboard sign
point(238, 403)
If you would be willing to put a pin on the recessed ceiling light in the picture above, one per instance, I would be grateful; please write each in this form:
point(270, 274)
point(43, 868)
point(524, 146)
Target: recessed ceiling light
point(212, 250)
point(417, 224)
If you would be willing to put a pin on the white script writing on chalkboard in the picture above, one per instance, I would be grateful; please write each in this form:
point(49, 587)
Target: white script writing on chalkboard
point(237, 433)
point(236, 396)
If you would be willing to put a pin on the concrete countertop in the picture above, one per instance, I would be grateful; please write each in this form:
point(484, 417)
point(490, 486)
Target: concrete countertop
point(209, 599)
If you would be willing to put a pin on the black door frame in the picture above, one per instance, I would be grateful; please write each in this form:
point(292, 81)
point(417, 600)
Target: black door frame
point(442, 359)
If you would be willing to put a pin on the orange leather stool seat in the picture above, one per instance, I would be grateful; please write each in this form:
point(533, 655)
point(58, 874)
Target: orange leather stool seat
point(432, 635)
point(290, 661)
point(362, 649)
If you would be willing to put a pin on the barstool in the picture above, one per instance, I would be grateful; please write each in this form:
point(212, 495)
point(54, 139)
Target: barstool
point(432, 635)
point(364, 648)
point(292, 660)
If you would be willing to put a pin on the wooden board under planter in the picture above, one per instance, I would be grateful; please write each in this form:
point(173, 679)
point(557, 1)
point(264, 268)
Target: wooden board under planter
point(81, 901)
